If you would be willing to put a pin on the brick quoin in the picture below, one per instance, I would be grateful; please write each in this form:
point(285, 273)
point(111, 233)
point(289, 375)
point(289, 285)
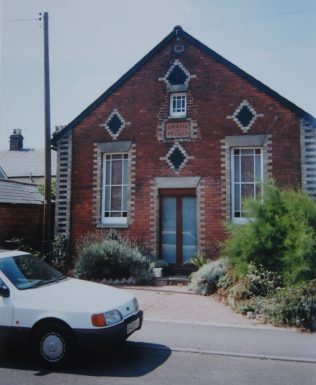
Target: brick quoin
point(215, 92)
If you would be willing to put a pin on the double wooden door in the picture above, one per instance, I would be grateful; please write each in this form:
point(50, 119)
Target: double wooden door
point(178, 233)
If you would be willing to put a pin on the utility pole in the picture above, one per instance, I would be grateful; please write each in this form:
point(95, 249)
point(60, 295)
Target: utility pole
point(47, 223)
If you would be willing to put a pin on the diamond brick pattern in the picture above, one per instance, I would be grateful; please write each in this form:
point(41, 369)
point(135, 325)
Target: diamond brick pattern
point(114, 124)
point(176, 158)
point(177, 76)
point(245, 116)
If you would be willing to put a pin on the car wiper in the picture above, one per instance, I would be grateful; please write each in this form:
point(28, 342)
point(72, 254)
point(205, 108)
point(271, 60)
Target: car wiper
point(47, 281)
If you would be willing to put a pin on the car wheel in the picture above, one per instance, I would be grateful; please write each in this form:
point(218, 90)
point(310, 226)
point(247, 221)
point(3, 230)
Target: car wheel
point(53, 345)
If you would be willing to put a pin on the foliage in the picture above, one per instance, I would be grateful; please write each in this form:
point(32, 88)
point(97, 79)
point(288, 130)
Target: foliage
point(198, 260)
point(280, 235)
point(204, 281)
point(225, 281)
point(56, 254)
point(111, 256)
point(295, 306)
point(41, 188)
point(256, 282)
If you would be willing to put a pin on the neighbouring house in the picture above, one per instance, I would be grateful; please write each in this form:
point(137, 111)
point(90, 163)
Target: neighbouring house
point(21, 212)
point(22, 164)
point(168, 153)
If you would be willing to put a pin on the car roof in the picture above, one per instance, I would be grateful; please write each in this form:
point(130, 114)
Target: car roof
point(11, 253)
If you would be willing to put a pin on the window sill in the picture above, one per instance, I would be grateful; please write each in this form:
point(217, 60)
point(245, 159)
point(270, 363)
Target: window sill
point(112, 225)
point(179, 117)
point(242, 220)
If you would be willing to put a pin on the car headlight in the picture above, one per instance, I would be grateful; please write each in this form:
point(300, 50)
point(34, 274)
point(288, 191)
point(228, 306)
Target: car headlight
point(106, 319)
point(135, 304)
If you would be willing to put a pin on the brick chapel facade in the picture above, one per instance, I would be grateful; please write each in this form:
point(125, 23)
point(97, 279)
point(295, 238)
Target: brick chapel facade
point(168, 153)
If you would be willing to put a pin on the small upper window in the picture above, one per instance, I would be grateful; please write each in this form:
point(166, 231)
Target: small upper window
point(178, 105)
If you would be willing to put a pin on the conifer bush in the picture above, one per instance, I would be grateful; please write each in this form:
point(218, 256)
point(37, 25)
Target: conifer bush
point(280, 236)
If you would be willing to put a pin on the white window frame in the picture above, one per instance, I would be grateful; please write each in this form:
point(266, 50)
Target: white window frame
point(241, 220)
point(178, 113)
point(108, 220)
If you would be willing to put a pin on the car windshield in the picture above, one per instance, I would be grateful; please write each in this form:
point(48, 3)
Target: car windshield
point(28, 271)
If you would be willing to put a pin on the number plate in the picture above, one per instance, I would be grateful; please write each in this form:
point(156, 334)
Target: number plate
point(132, 326)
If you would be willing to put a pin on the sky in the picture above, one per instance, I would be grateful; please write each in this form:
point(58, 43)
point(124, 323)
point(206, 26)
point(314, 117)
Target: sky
point(92, 43)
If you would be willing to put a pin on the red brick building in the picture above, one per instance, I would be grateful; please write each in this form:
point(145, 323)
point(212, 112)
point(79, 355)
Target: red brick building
point(170, 150)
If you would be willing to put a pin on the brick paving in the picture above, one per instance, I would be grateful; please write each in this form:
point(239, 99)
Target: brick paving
point(177, 304)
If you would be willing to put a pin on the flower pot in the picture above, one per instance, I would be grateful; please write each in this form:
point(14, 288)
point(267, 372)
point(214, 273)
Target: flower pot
point(157, 272)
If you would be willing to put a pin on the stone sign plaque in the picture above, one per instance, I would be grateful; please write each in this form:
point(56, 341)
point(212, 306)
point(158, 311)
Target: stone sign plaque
point(177, 130)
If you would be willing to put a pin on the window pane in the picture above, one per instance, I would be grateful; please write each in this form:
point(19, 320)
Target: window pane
point(246, 151)
point(247, 169)
point(169, 239)
point(247, 191)
point(188, 228)
point(125, 171)
point(116, 172)
point(116, 198)
point(107, 198)
point(236, 169)
point(124, 205)
point(237, 197)
point(107, 172)
point(258, 167)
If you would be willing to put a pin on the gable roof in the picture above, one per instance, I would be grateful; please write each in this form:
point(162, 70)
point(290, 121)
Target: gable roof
point(178, 31)
point(26, 163)
point(19, 193)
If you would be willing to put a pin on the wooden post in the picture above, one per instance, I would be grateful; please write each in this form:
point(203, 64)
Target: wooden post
point(47, 223)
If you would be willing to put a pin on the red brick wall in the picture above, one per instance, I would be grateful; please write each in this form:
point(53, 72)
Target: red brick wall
point(21, 221)
point(216, 93)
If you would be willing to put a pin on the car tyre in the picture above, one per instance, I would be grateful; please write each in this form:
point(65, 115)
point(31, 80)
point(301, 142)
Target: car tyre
point(53, 345)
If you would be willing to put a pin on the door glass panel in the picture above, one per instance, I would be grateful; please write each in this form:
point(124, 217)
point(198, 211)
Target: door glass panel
point(169, 238)
point(188, 228)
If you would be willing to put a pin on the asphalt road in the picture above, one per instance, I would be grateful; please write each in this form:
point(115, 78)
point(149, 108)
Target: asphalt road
point(182, 353)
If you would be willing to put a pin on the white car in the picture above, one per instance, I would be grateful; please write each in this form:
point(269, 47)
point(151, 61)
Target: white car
point(55, 314)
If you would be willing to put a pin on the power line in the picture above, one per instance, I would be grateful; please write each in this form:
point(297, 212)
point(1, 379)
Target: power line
point(15, 20)
point(263, 17)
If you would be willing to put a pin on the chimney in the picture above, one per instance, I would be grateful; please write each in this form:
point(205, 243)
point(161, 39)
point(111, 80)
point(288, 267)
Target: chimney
point(16, 140)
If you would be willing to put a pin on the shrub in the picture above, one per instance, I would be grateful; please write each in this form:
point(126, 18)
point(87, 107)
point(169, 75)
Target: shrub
point(56, 253)
point(204, 281)
point(294, 306)
point(199, 260)
point(225, 281)
point(280, 236)
point(256, 282)
point(111, 256)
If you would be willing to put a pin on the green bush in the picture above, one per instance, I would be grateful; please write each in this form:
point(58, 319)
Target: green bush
point(280, 235)
point(294, 306)
point(204, 281)
point(107, 256)
point(56, 254)
point(225, 281)
point(198, 260)
point(257, 282)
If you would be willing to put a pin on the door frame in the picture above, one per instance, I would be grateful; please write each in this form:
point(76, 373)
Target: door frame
point(177, 193)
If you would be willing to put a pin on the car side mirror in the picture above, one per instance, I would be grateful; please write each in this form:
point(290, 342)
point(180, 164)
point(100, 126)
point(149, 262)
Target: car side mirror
point(4, 291)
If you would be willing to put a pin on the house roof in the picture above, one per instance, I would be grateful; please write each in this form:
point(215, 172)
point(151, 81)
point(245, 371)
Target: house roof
point(178, 31)
point(19, 193)
point(25, 163)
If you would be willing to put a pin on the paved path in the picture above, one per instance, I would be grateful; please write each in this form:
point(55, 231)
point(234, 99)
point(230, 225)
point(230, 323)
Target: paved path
point(177, 304)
